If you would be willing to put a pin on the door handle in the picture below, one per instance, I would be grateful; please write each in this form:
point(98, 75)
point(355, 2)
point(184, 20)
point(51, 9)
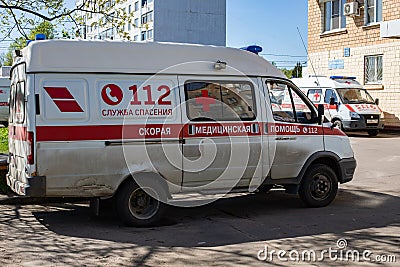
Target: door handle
point(286, 138)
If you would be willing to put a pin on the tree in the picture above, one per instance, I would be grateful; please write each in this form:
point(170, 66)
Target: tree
point(21, 15)
point(298, 71)
point(44, 27)
point(287, 72)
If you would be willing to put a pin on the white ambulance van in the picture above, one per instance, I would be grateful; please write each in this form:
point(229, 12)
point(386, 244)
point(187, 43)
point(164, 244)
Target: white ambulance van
point(144, 123)
point(4, 96)
point(349, 105)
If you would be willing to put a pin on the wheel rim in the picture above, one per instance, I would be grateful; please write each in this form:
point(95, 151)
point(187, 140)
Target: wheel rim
point(320, 187)
point(141, 205)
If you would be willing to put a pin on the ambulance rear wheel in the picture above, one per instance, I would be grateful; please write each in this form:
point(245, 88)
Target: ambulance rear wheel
point(319, 186)
point(139, 206)
point(373, 132)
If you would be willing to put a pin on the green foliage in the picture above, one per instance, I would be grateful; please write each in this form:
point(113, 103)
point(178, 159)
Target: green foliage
point(44, 27)
point(287, 72)
point(19, 15)
point(3, 149)
point(296, 72)
point(4, 140)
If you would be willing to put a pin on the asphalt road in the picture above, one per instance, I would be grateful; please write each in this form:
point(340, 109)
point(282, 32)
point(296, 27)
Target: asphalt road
point(230, 232)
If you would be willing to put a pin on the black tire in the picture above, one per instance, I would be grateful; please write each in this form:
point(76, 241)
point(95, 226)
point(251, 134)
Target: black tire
point(373, 133)
point(265, 188)
point(136, 207)
point(319, 186)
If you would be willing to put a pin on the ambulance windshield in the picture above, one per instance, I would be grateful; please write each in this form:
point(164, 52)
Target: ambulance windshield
point(355, 96)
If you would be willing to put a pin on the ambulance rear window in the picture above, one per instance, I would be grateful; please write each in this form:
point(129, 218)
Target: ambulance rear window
point(17, 96)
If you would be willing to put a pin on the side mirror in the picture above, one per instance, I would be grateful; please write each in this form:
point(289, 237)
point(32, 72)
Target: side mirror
point(321, 111)
point(332, 101)
point(377, 101)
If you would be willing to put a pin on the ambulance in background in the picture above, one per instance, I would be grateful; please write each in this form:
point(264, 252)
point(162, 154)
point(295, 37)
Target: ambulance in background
point(349, 105)
point(4, 96)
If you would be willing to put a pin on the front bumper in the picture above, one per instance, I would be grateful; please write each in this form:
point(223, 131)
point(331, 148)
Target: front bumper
point(361, 124)
point(347, 169)
point(35, 186)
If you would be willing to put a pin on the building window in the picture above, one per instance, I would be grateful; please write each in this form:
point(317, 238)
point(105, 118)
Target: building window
point(129, 9)
point(147, 17)
point(135, 38)
point(334, 17)
point(150, 34)
point(136, 23)
point(373, 69)
point(137, 6)
point(143, 36)
point(374, 11)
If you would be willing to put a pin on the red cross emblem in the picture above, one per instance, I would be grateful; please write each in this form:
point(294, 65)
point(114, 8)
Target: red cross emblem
point(205, 100)
point(316, 96)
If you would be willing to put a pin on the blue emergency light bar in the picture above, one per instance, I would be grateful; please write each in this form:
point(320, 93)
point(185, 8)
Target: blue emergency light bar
point(253, 48)
point(343, 77)
point(38, 37)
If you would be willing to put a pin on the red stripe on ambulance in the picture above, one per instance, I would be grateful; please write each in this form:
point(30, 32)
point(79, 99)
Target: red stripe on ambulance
point(58, 92)
point(175, 131)
point(107, 132)
point(350, 108)
point(68, 106)
point(63, 99)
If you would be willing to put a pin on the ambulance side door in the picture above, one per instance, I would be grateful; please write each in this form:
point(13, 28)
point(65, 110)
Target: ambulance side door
point(293, 131)
point(222, 136)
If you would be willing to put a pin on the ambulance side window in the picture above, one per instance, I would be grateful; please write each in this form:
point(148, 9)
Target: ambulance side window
point(315, 95)
point(287, 105)
point(328, 94)
point(219, 101)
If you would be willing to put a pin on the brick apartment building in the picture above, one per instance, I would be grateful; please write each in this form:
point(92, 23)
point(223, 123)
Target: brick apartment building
point(362, 42)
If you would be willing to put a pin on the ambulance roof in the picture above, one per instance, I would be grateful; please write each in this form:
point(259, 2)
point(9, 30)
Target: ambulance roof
point(325, 82)
point(128, 57)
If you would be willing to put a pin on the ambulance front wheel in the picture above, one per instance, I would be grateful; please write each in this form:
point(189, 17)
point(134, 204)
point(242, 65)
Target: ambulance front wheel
point(140, 206)
point(319, 186)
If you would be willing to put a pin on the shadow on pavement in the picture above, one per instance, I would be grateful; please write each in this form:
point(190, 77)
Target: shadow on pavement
point(233, 220)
